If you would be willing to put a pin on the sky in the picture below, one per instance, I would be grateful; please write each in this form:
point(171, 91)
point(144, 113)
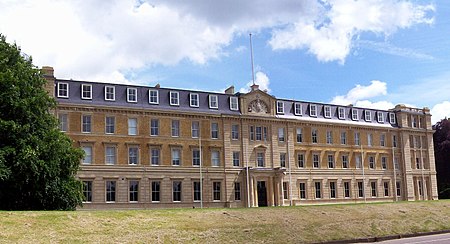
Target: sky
point(370, 53)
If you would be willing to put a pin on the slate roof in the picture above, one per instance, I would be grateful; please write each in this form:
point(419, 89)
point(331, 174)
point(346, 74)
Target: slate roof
point(98, 98)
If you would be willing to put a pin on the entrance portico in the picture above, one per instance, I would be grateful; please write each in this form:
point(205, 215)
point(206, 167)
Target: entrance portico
point(266, 186)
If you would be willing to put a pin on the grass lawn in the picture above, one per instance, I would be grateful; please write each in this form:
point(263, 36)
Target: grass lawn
point(257, 225)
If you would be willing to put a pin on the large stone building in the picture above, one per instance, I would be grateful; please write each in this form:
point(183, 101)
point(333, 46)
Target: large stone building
point(151, 147)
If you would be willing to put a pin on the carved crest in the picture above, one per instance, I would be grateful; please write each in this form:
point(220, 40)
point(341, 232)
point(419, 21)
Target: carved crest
point(257, 106)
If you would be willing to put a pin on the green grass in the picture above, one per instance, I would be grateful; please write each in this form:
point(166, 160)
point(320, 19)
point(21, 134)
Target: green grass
point(256, 225)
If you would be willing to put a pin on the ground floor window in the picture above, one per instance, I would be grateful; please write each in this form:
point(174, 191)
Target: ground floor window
point(332, 189)
point(302, 190)
point(156, 191)
point(87, 191)
point(386, 188)
point(134, 191)
point(110, 191)
point(360, 189)
point(176, 191)
point(237, 191)
point(216, 191)
point(373, 187)
point(285, 190)
point(399, 189)
point(346, 189)
point(318, 188)
point(197, 191)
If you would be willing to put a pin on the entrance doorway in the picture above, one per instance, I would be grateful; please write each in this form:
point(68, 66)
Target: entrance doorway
point(262, 193)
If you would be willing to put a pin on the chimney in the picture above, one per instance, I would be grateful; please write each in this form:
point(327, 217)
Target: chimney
point(157, 85)
point(230, 90)
point(48, 74)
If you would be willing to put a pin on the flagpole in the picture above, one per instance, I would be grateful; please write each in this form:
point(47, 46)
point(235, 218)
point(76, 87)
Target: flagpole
point(395, 175)
point(364, 176)
point(200, 158)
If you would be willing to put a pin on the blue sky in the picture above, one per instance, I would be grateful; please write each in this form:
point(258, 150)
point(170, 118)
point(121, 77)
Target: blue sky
point(372, 53)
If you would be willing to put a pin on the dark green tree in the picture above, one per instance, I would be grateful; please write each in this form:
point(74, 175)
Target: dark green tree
point(37, 162)
point(441, 139)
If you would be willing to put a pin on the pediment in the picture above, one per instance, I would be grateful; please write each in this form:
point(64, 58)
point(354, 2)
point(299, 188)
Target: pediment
point(257, 102)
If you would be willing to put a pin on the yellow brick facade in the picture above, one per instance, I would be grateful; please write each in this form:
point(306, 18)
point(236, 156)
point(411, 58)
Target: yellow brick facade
point(325, 171)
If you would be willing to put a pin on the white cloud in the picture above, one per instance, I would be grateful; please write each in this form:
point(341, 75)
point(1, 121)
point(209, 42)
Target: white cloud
point(440, 111)
point(384, 47)
point(261, 79)
point(105, 40)
point(361, 93)
point(330, 36)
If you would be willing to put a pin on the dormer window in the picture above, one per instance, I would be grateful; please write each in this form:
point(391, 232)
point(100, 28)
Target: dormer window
point(110, 93)
point(63, 90)
point(86, 91)
point(367, 115)
point(234, 103)
point(194, 100)
point(213, 101)
point(392, 118)
point(297, 108)
point(153, 96)
point(380, 117)
point(355, 114)
point(313, 110)
point(327, 111)
point(131, 95)
point(280, 107)
point(341, 113)
point(174, 98)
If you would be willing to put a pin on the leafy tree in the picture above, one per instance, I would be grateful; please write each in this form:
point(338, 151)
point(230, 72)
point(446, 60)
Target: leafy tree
point(441, 140)
point(37, 162)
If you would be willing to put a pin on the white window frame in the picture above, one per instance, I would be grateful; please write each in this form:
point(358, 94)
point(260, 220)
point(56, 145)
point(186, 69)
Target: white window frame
point(341, 113)
point(194, 100)
point(196, 159)
point(156, 156)
point(176, 97)
point(137, 154)
point(90, 156)
point(172, 158)
point(260, 160)
point(114, 150)
point(113, 93)
point(281, 134)
point(213, 101)
point(215, 158)
point(236, 158)
point(215, 130)
point(85, 122)
point(130, 127)
point(367, 115)
point(327, 112)
point(235, 132)
point(195, 129)
point(128, 95)
point(313, 110)
point(280, 107)
point(60, 84)
point(154, 128)
point(392, 118)
point(297, 109)
point(380, 117)
point(150, 96)
point(82, 91)
point(234, 103)
point(355, 114)
point(175, 128)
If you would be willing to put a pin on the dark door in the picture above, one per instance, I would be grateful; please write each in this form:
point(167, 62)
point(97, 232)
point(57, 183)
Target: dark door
point(262, 194)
